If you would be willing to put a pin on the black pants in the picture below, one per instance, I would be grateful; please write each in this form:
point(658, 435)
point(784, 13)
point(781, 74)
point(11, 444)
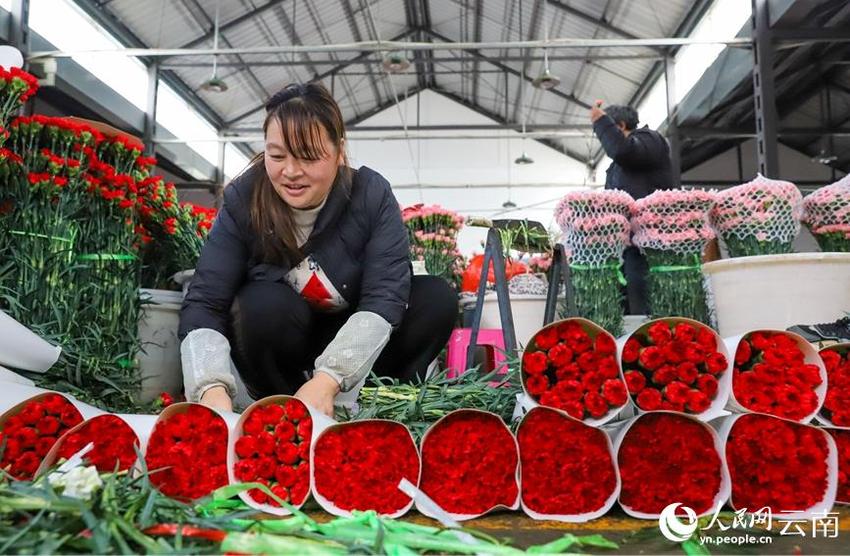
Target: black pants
point(635, 270)
point(276, 336)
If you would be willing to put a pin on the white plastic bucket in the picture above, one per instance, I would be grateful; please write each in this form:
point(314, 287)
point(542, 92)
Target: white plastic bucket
point(159, 358)
point(778, 291)
point(527, 309)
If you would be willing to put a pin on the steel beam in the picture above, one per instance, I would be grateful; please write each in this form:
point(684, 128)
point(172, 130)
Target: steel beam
point(150, 111)
point(764, 92)
point(19, 27)
point(672, 125)
point(256, 12)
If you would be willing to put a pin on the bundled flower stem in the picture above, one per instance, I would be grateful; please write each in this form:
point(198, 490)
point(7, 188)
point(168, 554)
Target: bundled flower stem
point(433, 239)
point(596, 231)
point(418, 406)
point(826, 213)
point(761, 217)
point(672, 229)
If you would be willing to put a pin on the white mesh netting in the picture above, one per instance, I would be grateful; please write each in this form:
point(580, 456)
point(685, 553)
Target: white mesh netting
point(595, 225)
point(826, 212)
point(673, 220)
point(764, 212)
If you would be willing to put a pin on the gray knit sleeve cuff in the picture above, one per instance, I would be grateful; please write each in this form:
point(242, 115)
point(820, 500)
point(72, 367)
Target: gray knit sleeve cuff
point(205, 356)
point(350, 355)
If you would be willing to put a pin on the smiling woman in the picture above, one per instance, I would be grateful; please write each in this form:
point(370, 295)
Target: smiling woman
point(306, 274)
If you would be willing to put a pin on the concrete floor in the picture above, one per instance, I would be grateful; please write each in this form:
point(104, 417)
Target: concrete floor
point(641, 536)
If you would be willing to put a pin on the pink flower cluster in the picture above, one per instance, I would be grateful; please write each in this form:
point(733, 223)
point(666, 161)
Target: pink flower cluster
point(673, 220)
point(432, 218)
point(763, 208)
point(827, 210)
point(595, 224)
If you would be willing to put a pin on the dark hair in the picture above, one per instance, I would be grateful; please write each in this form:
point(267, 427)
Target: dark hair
point(302, 110)
point(625, 114)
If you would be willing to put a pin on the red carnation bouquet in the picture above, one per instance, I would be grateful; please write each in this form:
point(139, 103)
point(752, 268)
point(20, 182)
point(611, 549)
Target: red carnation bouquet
point(677, 364)
point(842, 443)
point(29, 430)
point(836, 406)
point(667, 457)
point(186, 454)
point(777, 373)
point(568, 468)
point(114, 444)
point(271, 445)
point(572, 365)
point(777, 463)
point(358, 466)
point(470, 464)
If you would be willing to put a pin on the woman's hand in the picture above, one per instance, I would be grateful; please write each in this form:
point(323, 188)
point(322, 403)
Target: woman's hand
point(217, 398)
point(319, 392)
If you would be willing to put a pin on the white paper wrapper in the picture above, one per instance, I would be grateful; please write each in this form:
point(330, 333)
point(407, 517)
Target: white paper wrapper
point(821, 508)
point(7, 375)
point(457, 414)
point(725, 488)
point(811, 357)
point(841, 470)
point(724, 383)
point(144, 426)
point(140, 424)
point(13, 395)
point(23, 349)
point(583, 517)
point(320, 422)
point(593, 330)
point(328, 505)
point(821, 418)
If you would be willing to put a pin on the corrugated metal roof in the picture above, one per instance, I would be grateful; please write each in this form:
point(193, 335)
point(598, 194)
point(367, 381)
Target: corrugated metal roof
point(362, 87)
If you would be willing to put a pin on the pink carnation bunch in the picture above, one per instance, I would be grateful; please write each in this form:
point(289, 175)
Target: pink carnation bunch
point(826, 213)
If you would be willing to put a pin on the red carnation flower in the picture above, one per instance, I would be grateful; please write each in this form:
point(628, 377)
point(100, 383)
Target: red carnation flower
point(659, 333)
point(614, 392)
point(534, 362)
point(546, 338)
point(114, 442)
point(358, 465)
point(536, 384)
point(697, 401)
point(668, 458)
point(275, 447)
point(836, 406)
point(468, 444)
point(636, 381)
point(775, 463)
point(649, 399)
point(684, 332)
point(560, 355)
point(842, 442)
point(651, 358)
point(631, 351)
point(566, 467)
point(708, 385)
point(571, 377)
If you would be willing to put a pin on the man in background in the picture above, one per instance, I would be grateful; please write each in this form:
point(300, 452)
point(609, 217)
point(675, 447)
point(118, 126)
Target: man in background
point(640, 165)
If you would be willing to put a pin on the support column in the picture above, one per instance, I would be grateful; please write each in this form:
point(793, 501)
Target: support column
point(150, 111)
point(764, 92)
point(673, 120)
point(19, 31)
point(218, 185)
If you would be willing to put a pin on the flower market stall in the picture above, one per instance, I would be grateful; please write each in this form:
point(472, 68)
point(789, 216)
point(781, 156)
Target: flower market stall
point(585, 424)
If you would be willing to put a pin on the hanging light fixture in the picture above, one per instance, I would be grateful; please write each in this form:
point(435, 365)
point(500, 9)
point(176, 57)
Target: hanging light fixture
point(546, 80)
point(823, 158)
point(396, 62)
point(524, 159)
point(509, 204)
point(215, 84)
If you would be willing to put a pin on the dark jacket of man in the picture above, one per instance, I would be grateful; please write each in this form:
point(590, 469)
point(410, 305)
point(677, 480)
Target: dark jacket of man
point(359, 240)
point(640, 162)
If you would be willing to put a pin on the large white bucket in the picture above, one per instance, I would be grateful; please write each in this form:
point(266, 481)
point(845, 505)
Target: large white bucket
point(527, 309)
point(159, 359)
point(778, 291)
